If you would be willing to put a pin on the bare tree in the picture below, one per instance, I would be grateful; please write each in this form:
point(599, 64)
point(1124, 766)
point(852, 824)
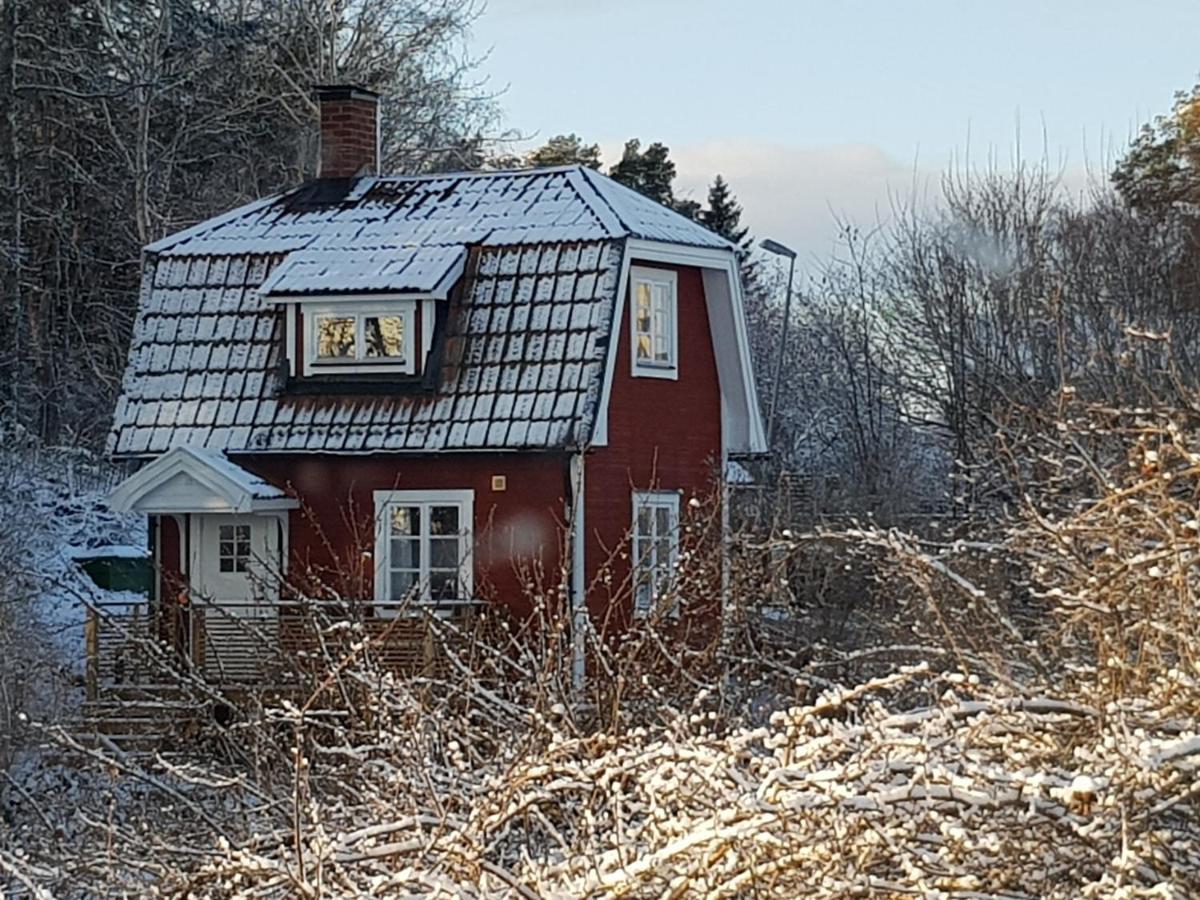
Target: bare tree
point(125, 121)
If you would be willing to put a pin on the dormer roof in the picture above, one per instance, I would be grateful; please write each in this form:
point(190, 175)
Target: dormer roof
point(410, 271)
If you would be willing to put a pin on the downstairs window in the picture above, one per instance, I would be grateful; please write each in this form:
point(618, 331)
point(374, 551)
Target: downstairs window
point(423, 547)
point(655, 547)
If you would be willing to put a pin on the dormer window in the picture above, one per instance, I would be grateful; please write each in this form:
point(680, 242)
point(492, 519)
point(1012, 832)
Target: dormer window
point(653, 322)
point(369, 314)
point(359, 337)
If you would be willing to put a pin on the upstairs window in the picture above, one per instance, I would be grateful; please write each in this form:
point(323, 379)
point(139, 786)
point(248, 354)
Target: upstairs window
point(655, 547)
point(351, 337)
point(653, 322)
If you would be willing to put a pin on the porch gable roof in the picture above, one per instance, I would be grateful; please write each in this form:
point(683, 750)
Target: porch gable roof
point(191, 479)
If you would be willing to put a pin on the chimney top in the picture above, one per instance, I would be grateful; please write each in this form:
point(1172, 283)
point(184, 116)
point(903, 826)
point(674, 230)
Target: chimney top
point(344, 92)
point(349, 131)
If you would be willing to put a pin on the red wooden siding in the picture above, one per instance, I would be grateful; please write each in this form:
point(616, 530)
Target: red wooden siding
point(662, 435)
point(167, 549)
point(518, 531)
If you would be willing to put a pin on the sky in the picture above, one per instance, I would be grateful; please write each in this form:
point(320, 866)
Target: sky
point(820, 112)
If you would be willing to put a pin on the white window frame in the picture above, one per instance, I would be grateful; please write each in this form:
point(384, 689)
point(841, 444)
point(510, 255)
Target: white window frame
point(668, 500)
point(239, 562)
point(664, 278)
point(359, 363)
point(465, 501)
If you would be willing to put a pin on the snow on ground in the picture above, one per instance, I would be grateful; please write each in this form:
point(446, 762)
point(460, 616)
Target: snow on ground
point(53, 511)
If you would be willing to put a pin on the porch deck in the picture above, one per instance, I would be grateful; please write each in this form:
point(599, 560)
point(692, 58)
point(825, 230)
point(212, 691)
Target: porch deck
point(278, 646)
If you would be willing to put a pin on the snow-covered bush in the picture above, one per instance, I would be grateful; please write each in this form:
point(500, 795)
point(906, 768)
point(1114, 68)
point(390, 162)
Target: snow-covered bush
point(1049, 750)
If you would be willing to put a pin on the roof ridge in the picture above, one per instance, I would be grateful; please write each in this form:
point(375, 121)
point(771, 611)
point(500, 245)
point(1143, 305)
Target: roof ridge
point(622, 228)
point(481, 173)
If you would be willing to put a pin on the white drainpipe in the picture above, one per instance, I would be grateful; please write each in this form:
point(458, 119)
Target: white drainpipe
point(579, 613)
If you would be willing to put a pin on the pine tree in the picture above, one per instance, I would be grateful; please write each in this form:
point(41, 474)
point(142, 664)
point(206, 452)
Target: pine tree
point(652, 173)
point(724, 214)
point(565, 150)
point(649, 172)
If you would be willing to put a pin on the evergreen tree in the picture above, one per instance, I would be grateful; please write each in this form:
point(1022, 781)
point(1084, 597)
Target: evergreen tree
point(652, 173)
point(565, 150)
point(649, 172)
point(724, 214)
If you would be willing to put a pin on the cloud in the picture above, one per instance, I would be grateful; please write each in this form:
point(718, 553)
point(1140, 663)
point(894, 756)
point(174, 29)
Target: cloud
point(800, 194)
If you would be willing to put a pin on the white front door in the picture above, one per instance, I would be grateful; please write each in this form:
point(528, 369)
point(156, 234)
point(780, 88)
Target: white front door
point(236, 590)
point(238, 564)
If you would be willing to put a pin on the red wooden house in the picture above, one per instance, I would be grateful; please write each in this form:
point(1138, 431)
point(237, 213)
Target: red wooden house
point(447, 381)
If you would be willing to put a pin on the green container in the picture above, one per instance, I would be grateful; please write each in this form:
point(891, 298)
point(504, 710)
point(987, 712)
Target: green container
point(120, 573)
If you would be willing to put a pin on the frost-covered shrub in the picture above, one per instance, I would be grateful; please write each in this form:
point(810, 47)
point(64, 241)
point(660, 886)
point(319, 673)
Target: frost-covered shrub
point(1049, 754)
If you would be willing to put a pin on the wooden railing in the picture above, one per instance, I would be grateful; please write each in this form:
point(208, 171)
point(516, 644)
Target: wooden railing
point(132, 644)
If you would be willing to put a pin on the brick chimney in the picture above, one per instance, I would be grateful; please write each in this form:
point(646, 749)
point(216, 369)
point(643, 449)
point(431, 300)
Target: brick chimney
point(349, 131)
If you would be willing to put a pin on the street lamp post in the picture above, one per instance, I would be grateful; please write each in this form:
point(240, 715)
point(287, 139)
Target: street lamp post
point(780, 250)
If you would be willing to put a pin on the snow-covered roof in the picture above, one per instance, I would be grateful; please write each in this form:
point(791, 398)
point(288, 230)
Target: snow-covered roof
point(428, 271)
point(523, 367)
point(189, 479)
point(525, 340)
point(108, 551)
point(488, 209)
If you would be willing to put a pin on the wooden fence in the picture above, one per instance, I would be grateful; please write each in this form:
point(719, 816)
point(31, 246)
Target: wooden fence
point(260, 645)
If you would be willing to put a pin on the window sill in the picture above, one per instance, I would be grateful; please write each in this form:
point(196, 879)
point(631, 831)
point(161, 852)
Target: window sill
point(668, 373)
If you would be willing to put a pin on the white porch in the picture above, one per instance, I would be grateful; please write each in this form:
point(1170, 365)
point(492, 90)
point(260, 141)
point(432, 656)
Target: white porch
point(222, 609)
point(219, 602)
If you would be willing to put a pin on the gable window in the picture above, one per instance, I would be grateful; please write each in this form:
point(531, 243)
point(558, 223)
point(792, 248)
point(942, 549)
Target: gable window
point(353, 337)
point(653, 322)
point(423, 547)
point(655, 546)
point(233, 548)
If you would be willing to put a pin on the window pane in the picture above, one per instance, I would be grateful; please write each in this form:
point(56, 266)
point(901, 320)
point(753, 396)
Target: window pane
point(406, 520)
point(662, 554)
point(643, 320)
point(406, 553)
point(335, 337)
point(233, 548)
point(444, 585)
point(443, 553)
point(402, 584)
point(443, 520)
point(642, 597)
point(645, 521)
point(662, 520)
point(643, 306)
point(384, 336)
